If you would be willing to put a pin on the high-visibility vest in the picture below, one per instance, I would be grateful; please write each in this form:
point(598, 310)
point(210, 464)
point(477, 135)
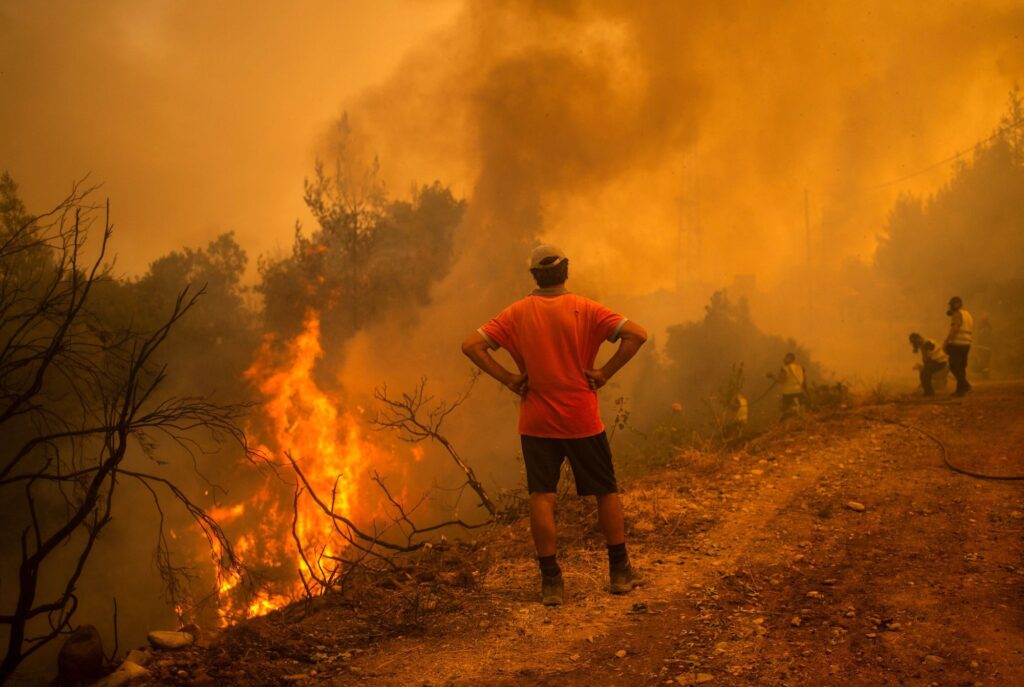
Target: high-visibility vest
point(793, 379)
point(965, 334)
point(935, 355)
point(742, 411)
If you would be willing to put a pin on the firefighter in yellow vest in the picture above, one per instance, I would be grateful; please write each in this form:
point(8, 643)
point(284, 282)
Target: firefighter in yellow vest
point(958, 343)
point(794, 385)
point(933, 360)
point(737, 417)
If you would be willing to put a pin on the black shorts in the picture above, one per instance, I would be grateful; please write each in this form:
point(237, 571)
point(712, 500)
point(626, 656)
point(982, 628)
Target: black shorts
point(590, 459)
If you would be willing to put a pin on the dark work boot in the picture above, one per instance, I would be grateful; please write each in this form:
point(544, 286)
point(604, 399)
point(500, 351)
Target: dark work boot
point(624, 578)
point(552, 590)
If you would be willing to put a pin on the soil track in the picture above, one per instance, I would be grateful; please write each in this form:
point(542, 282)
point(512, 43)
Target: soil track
point(759, 573)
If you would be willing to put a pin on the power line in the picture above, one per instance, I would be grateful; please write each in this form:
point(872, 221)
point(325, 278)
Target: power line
point(999, 132)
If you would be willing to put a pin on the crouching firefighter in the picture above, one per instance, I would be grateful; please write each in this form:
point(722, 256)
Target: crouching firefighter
point(933, 361)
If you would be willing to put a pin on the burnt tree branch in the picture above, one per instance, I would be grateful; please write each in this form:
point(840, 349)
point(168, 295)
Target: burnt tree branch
point(81, 396)
point(417, 417)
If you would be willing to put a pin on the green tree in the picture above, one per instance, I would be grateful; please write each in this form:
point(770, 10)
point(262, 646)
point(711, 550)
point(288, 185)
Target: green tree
point(368, 254)
point(966, 239)
point(210, 349)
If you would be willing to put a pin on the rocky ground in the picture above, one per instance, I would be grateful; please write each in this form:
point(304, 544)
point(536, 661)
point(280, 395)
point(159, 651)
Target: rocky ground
point(836, 550)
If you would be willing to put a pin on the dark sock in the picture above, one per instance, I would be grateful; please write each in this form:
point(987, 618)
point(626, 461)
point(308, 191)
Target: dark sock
point(617, 554)
point(549, 566)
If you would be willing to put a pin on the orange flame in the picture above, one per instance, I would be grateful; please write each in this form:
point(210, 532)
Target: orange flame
point(302, 420)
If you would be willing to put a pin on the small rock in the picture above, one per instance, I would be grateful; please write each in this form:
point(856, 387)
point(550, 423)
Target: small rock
point(856, 506)
point(814, 595)
point(797, 621)
point(621, 653)
point(127, 673)
point(574, 657)
point(192, 629)
point(138, 657)
point(298, 677)
point(830, 582)
point(933, 661)
point(164, 639)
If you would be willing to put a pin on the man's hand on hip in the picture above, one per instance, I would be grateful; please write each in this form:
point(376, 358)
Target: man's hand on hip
point(596, 378)
point(518, 384)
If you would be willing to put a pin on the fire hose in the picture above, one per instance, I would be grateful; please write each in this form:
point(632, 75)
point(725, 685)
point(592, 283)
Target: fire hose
point(943, 448)
point(766, 392)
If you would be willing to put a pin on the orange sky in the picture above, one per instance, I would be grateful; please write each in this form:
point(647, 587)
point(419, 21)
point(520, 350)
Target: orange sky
point(198, 117)
point(597, 117)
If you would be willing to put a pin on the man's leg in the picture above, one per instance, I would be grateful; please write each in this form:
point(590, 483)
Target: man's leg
point(958, 366)
point(609, 517)
point(790, 405)
point(591, 460)
point(967, 384)
point(927, 371)
point(954, 365)
point(926, 381)
point(542, 524)
point(544, 459)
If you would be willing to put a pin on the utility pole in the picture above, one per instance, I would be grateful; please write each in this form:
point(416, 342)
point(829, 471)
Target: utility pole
point(679, 243)
point(809, 315)
point(688, 237)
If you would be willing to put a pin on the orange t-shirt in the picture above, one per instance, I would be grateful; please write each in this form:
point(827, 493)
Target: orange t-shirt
point(553, 339)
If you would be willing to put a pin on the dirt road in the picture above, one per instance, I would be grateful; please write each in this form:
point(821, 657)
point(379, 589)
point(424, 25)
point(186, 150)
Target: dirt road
point(760, 573)
point(836, 550)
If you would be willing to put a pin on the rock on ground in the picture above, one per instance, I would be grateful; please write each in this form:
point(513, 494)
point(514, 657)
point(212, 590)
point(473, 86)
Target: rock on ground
point(167, 640)
point(126, 674)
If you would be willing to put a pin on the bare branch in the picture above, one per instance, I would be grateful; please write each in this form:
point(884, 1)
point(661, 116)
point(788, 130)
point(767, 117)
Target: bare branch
point(414, 423)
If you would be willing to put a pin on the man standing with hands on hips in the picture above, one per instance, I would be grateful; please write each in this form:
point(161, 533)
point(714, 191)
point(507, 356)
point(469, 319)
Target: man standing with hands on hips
point(553, 336)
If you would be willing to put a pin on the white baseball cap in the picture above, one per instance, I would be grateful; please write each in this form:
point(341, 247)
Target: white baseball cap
point(545, 255)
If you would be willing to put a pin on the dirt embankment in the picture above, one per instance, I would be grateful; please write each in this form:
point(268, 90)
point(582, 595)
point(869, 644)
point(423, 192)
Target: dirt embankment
point(834, 551)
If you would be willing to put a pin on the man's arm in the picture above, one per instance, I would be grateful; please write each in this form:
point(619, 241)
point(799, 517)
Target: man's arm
point(478, 350)
point(954, 325)
point(631, 337)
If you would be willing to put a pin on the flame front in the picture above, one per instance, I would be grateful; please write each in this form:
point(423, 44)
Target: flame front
point(288, 539)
